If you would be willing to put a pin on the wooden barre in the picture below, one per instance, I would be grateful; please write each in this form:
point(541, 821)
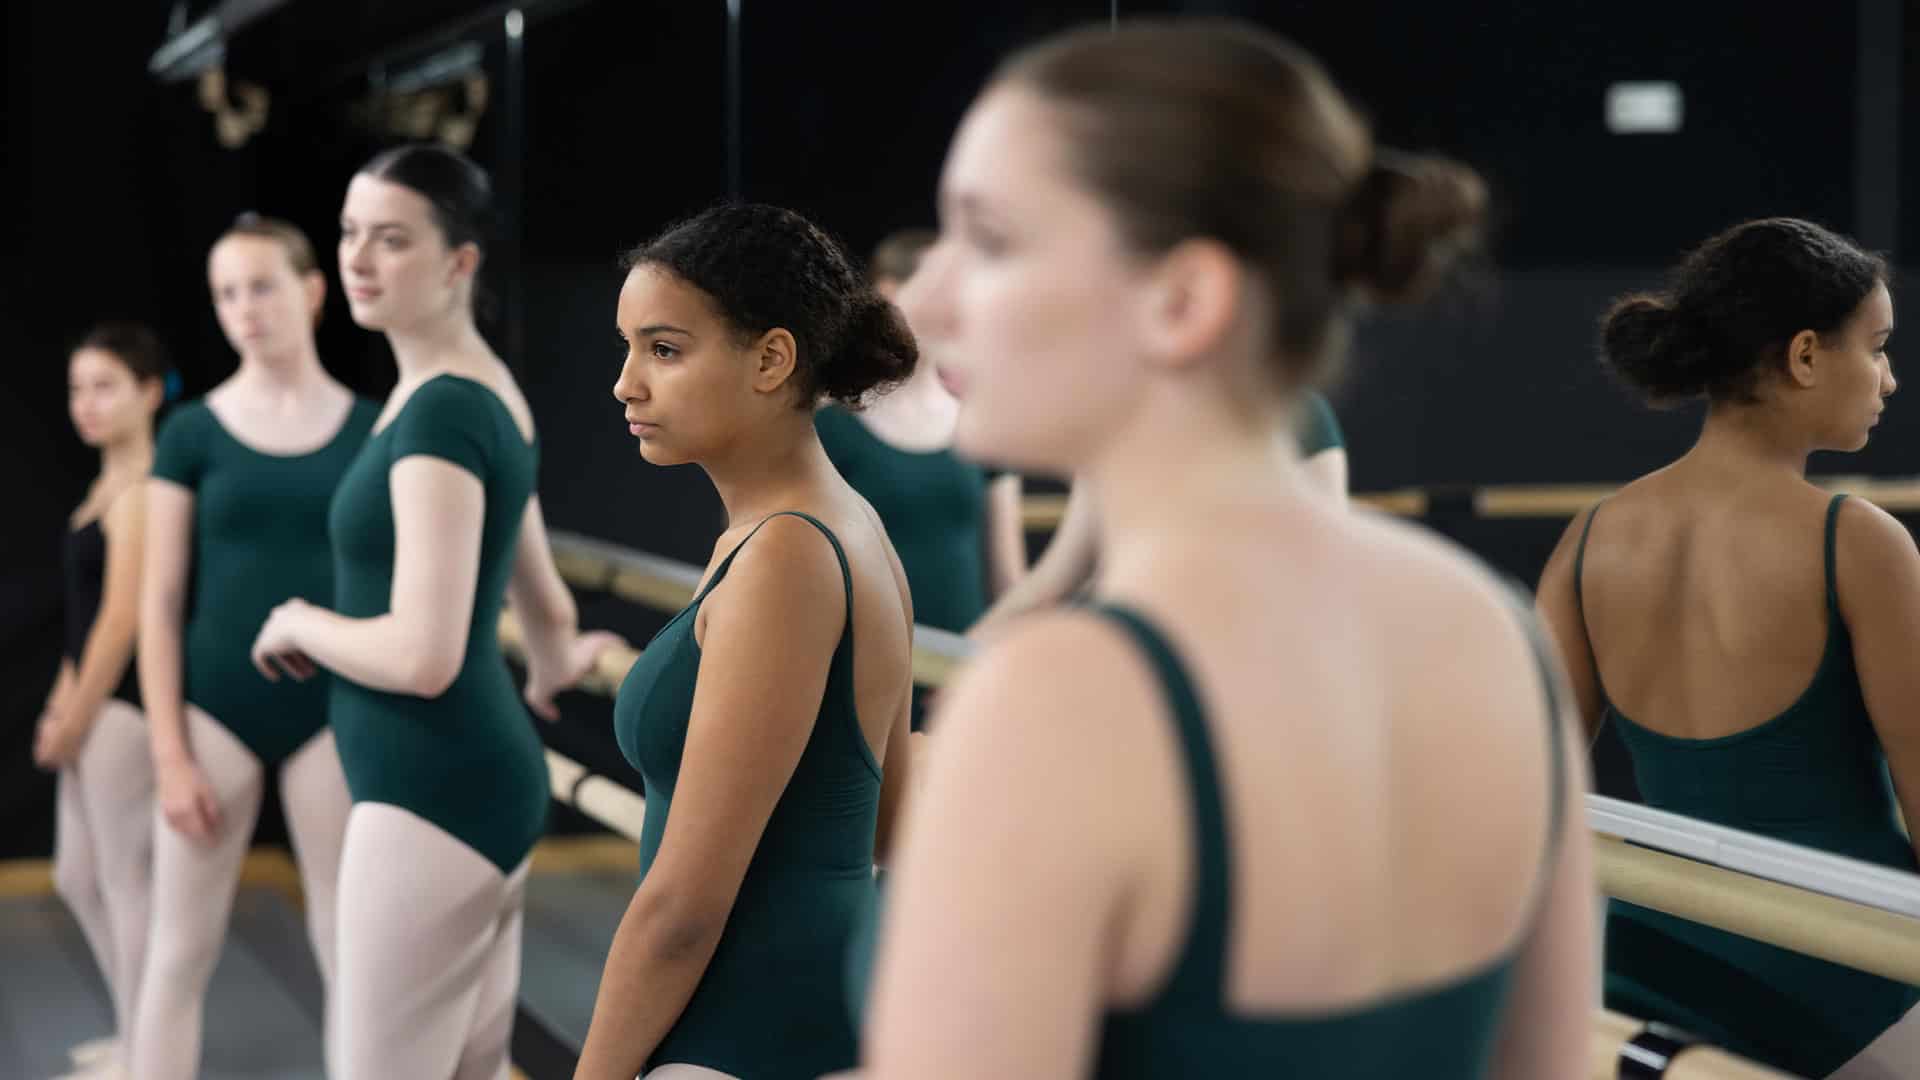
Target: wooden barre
point(606, 801)
point(1611, 1032)
point(1042, 513)
point(1840, 931)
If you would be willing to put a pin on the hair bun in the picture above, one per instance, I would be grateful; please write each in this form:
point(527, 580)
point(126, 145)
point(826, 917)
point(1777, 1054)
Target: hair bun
point(1409, 221)
point(1644, 343)
point(877, 353)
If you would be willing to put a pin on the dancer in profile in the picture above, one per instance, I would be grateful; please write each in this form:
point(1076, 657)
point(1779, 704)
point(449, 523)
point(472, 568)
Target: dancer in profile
point(764, 716)
point(1151, 241)
point(434, 527)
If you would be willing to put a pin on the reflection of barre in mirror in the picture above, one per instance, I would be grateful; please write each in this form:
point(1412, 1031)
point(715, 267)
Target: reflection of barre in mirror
point(1620, 1045)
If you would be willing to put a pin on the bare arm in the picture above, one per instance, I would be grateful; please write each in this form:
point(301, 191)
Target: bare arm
point(186, 800)
point(109, 648)
point(163, 616)
point(558, 654)
point(1065, 565)
point(62, 686)
point(1556, 975)
point(419, 645)
point(771, 630)
point(1327, 471)
point(545, 606)
point(55, 744)
point(1006, 534)
point(1003, 919)
point(1559, 611)
point(896, 784)
point(1879, 585)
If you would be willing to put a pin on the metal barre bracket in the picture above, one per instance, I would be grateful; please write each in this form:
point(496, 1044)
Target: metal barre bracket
point(1648, 1055)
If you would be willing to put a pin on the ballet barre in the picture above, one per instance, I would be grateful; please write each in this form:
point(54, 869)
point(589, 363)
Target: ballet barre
point(1827, 928)
point(1621, 1046)
point(1042, 513)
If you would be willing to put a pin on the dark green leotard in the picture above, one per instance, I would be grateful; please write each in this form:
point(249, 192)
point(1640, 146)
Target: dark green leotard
point(770, 1004)
point(469, 760)
point(1317, 429)
point(933, 505)
point(1814, 775)
point(259, 538)
point(1445, 1032)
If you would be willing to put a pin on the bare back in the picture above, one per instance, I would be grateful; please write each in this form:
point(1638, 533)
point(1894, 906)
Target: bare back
point(1384, 741)
point(1706, 606)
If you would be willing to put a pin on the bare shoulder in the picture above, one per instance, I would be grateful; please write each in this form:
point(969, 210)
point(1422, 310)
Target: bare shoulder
point(1417, 558)
point(1442, 607)
point(787, 565)
point(1872, 548)
point(1867, 534)
point(1061, 677)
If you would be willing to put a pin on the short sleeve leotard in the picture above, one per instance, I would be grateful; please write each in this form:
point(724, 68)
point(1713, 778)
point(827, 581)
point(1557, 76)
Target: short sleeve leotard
point(468, 761)
point(259, 539)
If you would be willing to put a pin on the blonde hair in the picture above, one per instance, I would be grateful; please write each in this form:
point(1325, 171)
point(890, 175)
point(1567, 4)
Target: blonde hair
point(288, 235)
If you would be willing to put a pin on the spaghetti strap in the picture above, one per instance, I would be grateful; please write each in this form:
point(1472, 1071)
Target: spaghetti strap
point(1833, 583)
point(1580, 601)
point(839, 553)
point(1580, 568)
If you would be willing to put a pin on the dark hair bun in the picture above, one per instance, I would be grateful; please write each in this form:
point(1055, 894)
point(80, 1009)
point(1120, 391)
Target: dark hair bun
point(1733, 306)
point(1409, 221)
point(878, 354)
point(1641, 343)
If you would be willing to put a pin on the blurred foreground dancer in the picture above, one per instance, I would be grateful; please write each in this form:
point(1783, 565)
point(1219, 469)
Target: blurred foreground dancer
point(1217, 842)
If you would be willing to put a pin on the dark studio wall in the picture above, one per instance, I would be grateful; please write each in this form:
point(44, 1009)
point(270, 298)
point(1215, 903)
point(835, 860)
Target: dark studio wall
point(847, 108)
